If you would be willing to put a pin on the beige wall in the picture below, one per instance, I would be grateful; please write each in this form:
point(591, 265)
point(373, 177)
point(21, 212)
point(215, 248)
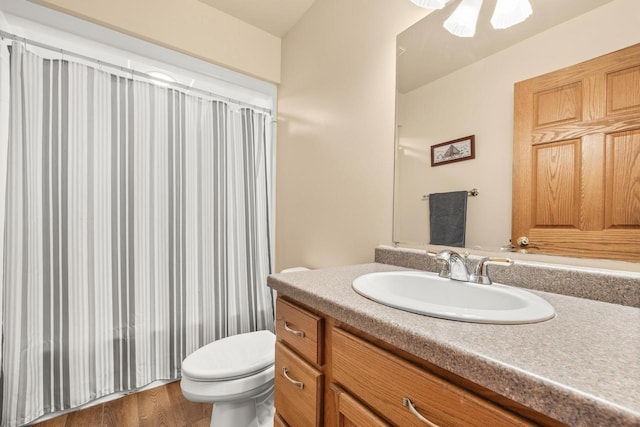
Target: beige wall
point(479, 100)
point(188, 26)
point(336, 132)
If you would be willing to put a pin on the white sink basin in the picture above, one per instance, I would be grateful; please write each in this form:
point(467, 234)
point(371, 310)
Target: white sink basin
point(426, 293)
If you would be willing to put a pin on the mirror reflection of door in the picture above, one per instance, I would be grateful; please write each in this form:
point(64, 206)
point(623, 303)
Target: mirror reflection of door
point(576, 176)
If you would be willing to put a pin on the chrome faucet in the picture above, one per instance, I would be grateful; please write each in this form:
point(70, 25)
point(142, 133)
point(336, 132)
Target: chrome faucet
point(453, 265)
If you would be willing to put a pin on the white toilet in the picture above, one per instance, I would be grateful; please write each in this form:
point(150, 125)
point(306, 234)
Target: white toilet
point(236, 374)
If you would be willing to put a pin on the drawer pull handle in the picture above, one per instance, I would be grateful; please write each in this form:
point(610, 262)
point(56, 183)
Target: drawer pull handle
point(298, 384)
point(293, 331)
point(409, 404)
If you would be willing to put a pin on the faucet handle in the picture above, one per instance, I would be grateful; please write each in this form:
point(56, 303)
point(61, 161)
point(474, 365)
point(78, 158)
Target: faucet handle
point(444, 268)
point(481, 274)
point(444, 264)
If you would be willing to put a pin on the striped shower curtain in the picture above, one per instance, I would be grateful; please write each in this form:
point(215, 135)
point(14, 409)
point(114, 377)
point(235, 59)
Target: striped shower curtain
point(136, 229)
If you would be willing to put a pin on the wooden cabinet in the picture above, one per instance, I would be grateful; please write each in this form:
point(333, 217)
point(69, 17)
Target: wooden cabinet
point(326, 375)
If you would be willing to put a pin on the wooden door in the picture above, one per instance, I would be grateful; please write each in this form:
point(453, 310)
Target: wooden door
point(576, 168)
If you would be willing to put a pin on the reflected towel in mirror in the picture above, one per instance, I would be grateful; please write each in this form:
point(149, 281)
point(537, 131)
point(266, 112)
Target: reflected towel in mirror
point(448, 218)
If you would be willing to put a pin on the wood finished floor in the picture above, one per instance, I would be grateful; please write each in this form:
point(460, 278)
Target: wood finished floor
point(160, 406)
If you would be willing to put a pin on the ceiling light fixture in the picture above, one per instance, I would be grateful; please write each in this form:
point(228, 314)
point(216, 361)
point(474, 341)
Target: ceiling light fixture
point(463, 20)
point(510, 12)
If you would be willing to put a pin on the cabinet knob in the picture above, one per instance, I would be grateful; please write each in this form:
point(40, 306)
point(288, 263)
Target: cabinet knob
point(523, 241)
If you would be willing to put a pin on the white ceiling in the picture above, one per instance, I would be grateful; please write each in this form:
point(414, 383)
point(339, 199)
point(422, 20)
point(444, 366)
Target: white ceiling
point(274, 16)
point(430, 52)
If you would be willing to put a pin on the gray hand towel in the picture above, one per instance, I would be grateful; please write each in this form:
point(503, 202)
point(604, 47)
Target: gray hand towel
point(448, 218)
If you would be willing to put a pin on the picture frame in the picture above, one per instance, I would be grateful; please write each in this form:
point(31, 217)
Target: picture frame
point(456, 150)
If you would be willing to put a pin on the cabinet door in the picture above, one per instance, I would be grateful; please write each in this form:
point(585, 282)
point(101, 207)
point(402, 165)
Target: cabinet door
point(576, 159)
point(352, 413)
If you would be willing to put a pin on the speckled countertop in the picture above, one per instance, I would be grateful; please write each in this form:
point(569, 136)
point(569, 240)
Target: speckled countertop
point(581, 367)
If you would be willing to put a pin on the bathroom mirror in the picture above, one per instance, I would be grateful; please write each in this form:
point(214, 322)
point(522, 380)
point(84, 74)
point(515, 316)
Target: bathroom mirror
point(449, 87)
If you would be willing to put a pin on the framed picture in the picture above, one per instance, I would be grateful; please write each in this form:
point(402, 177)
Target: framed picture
point(453, 151)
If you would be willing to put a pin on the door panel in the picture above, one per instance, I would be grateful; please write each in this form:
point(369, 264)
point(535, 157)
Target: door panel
point(576, 176)
point(622, 91)
point(623, 180)
point(557, 184)
point(562, 104)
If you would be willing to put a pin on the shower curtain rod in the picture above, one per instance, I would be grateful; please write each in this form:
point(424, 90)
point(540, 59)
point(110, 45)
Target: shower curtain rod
point(6, 35)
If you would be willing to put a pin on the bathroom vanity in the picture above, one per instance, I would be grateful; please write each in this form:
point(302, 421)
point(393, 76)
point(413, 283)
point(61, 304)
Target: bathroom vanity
point(344, 360)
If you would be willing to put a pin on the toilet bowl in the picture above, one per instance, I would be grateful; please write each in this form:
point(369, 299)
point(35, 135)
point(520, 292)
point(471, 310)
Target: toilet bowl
point(236, 374)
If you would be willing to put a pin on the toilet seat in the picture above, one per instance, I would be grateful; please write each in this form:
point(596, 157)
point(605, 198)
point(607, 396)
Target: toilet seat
point(232, 368)
point(237, 356)
point(222, 391)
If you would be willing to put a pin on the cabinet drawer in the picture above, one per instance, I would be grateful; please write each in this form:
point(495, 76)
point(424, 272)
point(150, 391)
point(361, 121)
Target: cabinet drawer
point(383, 381)
point(298, 395)
point(300, 329)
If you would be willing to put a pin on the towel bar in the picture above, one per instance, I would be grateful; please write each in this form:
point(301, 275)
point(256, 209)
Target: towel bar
point(471, 193)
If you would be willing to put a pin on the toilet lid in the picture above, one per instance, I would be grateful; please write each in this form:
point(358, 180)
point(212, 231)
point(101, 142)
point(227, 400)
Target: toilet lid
point(232, 357)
